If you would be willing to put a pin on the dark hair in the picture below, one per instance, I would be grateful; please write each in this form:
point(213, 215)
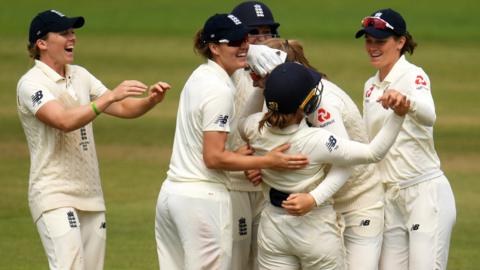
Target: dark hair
point(409, 45)
point(294, 50)
point(201, 47)
point(274, 119)
point(33, 50)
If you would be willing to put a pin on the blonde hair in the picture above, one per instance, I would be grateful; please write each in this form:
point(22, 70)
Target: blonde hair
point(275, 119)
point(33, 50)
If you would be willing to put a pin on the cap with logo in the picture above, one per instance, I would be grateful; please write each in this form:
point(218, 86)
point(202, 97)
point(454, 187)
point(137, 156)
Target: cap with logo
point(51, 21)
point(289, 86)
point(224, 28)
point(254, 13)
point(383, 24)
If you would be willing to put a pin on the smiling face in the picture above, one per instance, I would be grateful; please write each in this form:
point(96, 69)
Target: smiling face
point(230, 58)
point(57, 49)
point(383, 53)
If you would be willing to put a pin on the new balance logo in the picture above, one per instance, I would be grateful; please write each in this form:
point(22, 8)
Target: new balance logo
point(37, 98)
point(103, 225)
point(71, 219)
point(365, 222)
point(332, 142)
point(242, 226)
point(222, 120)
point(415, 227)
point(259, 11)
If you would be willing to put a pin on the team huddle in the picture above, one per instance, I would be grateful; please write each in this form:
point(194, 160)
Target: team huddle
point(273, 166)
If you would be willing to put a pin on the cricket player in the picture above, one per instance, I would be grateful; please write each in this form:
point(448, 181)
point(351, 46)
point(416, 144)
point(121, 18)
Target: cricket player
point(312, 240)
point(360, 200)
point(57, 102)
point(419, 203)
point(193, 226)
point(247, 198)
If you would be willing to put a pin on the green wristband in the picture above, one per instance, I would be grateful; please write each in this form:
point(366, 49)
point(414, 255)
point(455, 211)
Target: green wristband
point(95, 109)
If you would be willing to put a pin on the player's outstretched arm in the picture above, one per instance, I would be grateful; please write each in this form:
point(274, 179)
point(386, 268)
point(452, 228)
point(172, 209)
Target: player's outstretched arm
point(135, 107)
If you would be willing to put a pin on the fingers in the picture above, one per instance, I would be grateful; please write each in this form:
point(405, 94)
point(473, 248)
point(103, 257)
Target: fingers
point(282, 148)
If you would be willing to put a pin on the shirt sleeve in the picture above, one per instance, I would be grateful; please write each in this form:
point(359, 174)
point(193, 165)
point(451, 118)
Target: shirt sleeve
point(217, 110)
point(422, 107)
point(33, 96)
point(336, 178)
point(330, 148)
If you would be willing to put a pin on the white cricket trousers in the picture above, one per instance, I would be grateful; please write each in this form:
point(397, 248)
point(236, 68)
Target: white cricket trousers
point(363, 236)
point(418, 225)
point(73, 239)
point(193, 226)
point(309, 242)
point(247, 207)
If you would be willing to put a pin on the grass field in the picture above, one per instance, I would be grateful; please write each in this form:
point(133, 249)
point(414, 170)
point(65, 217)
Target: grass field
point(151, 40)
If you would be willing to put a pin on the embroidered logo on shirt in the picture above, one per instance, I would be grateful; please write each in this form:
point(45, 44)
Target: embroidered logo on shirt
point(415, 227)
point(71, 219)
point(222, 120)
point(369, 91)
point(331, 144)
point(420, 82)
point(242, 226)
point(37, 98)
point(83, 135)
point(323, 115)
point(103, 225)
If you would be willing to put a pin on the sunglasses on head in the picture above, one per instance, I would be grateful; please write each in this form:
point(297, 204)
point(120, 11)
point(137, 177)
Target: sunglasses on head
point(313, 99)
point(377, 23)
point(234, 43)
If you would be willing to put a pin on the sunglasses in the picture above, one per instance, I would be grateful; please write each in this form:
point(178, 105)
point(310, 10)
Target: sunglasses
point(234, 43)
point(313, 99)
point(377, 23)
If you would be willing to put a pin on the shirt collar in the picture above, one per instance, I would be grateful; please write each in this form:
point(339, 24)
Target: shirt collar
point(397, 70)
point(52, 74)
point(290, 129)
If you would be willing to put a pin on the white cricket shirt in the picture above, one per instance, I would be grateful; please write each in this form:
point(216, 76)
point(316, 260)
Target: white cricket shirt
point(412, 158)
point(338, 114)
point(206, 104)
point(319, 145)
point(244, 88)
point(63, 165)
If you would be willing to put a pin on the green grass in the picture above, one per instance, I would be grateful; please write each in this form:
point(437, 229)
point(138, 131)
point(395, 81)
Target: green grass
point(151, 41)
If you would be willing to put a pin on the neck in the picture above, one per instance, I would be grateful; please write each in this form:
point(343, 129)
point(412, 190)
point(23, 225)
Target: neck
point(383, 71)
point(57, 67)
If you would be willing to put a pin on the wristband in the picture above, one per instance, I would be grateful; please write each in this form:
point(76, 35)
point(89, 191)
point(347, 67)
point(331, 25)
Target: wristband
point(95, 109)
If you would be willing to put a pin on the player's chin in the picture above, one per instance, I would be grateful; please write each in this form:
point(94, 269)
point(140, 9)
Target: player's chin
point(241, 61)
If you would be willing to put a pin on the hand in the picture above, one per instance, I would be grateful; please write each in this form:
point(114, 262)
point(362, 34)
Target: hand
point(298, 204)
point(128, 89)
point(281, 161)
point(245, 150)
point(396, 101)
point(263, 59)
point(157, 91)
point(254, 176)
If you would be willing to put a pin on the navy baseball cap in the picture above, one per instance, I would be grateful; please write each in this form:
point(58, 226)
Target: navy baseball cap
point(51, 21)
point(383, 24)
point(288, 85)
point(254, 13)
point(224, 28)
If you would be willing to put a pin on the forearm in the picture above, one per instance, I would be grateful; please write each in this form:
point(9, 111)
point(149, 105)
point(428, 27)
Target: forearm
point(335, 179)
point(422, 110)
point(231, 161)
point(130, 107)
